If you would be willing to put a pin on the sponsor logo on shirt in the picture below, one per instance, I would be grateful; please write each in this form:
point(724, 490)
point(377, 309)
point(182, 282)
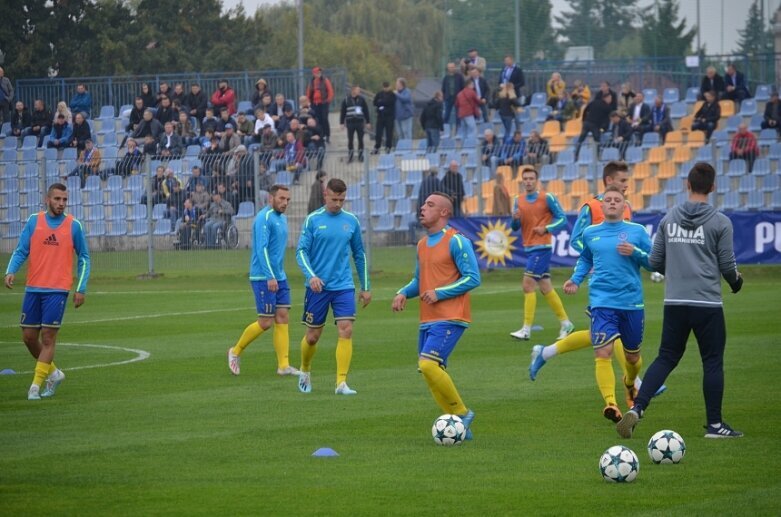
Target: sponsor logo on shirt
point(51, 240)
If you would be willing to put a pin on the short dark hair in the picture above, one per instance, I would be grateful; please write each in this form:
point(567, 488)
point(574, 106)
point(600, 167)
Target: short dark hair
point(528, 168)
point(277, 187)
point(444, 195)
point(613, 188)
point(612, 168)
point(320, 174)
point(336, 186)
point(702, 177)
point(614, 114)
point(56, 186)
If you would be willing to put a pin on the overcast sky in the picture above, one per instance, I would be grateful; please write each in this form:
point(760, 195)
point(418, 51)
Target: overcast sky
point(719, 32)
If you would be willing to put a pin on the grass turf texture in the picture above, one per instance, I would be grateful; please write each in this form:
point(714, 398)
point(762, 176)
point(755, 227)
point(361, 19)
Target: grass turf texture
point(177, 434)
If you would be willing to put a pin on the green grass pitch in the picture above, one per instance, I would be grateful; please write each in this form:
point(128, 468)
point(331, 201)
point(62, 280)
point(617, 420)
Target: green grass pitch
point(177, 434)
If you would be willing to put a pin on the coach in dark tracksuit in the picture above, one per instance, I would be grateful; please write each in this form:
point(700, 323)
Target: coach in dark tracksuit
point(385, 103)
point(596, 118)
point(693, 248)
point(355, 116)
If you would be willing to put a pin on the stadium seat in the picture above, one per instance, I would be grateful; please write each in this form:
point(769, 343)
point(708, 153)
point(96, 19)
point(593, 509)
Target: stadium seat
point(762, 93)
point(748, 108)
point(573, 128)
point(671, 95)
point(376, 191)
point(550, 129)
point(284, 178)
point(94, 197)
point(610, 153)
point(158, 211)
point(733, 121)
point(471, 204)
point(695, 139)
point(162, 226)
point(116, 228)
point(558, 143)
point(673, 139)
point(755, 124)
point(30, 142)
point(392, 177)
point(5, 129)
point(13, 214)
point(116, 197)
point(767, 137)
point(755, 200)
point(398, 191)
point(727, 108)
point(775, 151)
point(246, 210)
point(678, 110)
point(548, 173)
point(542, 114)
point(720, 137)
point(557, 187)
point(413, 178)
point(704, 153)
point(770, 182)
point(761, 167)
point(95, 213)
point(10, 142)
point(379, 207)
point(775, 200)
point(636, 201)
point(29, 185)
point(658, 203)
point(566, 156)
point(649, 94)
point(634, 155)
point(580, 187)
point(747, 183)
point(571, 172)
point(667, 170)
point(245, 106)
point(403, 146)
point(92, 183)
point(686, 122)
point(586, 156)
point(657, 155)
point(138, 227)
point(69, 154)
point(106, 112)
point(385, 223)
point(682, 154)
point(31, 170)
point(650, 140)
point(731, 201)
point(538, 100)
point(529, 126)
point(736, 168)
point(641, 170)
point(116, 213)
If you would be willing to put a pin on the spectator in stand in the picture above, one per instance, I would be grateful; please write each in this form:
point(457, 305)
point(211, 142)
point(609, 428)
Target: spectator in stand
point(149, 126)
point(224, 96)
point(707, 117)
point(452, 83)
point(619, 133)
point(149, 146)
point(81, 101)
point(150, 100)
point(209, 122)
point(772, 117)
point(305, 109)
point(428, 186)
point(489, 149)
point(62, 109)
point(313, 141)
point(61, 134)
point(604, 91)
point(581, 93)
point(537, 150)
point(354, 116)
point(186, 225)
point(294, 156)
point(136, 115)
point(178, 95)
point(130, 163)
point(475, 60)
point(483, 92)
point(244, 128)
point(735, 88)
point(174, 197)
point(638, 115)
point(385, 106)
point(554, 88)
point(431, 121)
point(169, 144)
point(229, 139)
point(157, 188)
point(165, 112)
point(501, 206)
point(223, 121)
point(659, 119)
point(163, 91)
point(404, 110)
point(564, 109)
point(596, 118)
point(41, 121)
point(196, 102)
point(282, 124)
point(513, 152)
point(268, 145)
point(196, 178)
point(21, 120)
point(320, 94)
point(626, 99)
point(317, 192)
point(508, 104)
point(467, 111)
point(712, 82)
point(261, 88)
point(200, 199)
point(88, 162)
point(277, 109)
point(185, 130)
point(744, 146)
point(218, 216)
point(512, 73)
point(81, 131)
point(453, 185)
point(6, 96)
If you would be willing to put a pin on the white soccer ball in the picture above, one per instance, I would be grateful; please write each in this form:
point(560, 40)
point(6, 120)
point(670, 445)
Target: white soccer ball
point(666, 447)
point(657, 277)
point(619, 464)
point(448, 430)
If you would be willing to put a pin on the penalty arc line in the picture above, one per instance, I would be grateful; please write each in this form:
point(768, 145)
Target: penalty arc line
point(140, 356)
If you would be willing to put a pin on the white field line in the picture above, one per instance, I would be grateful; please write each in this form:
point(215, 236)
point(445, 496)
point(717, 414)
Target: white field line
point(140, 356)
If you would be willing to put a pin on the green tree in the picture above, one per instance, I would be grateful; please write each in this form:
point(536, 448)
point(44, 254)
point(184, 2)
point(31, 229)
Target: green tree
point(756, 37)
point(662, 34)
point(601, 24)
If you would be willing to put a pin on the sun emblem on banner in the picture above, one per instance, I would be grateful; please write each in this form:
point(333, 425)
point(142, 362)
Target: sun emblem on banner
point(496, 243)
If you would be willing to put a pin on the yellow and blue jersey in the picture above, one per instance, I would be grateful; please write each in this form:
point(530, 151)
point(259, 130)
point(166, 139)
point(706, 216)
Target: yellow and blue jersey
point(269, 239)
point(615, 281)
point(324, 249)
point(22, 251)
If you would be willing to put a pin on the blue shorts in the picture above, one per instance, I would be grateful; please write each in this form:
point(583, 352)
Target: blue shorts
point(538, 263)
point(316, 305)
point(437, 341)
point(267, 302)
point(43, 309)
point(609, 324)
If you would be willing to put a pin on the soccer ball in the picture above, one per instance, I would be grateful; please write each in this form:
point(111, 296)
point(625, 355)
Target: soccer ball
point(448, 430)
point(619, 464)
point(657, 277)
point(666, 447)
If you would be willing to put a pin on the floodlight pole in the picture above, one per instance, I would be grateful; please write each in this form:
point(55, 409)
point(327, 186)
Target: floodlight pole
point(300, 10)
point(517, 31)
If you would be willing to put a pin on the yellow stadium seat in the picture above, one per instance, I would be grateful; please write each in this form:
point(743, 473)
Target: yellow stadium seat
point(657, 155)
point(686, 123)
point(566, 203)
point(636, 201)
point(506, 171)
point(579, 188)
point(558, 143)
point(550, 129)
point(667, 170)
point(650, 187)
point(556, 187)
point(573, 128)
point(697, 106)
point(696, 139)
point(641, 170)
point(682, 154)
point(673, 139)
point(470, 204)
point(487, 189)
point(727, 108)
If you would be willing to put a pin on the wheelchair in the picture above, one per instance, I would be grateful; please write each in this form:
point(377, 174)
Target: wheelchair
point(193, 236)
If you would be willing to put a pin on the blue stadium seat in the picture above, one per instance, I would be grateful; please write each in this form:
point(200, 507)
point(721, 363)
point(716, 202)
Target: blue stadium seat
point(116, 197)
point(413, 178)
point(69, 153)
point(92, 183)
point(114, 182)
point(14, 230)
point(720, 137)
point(192, 150)
point(95, 213)
point(284, 178)
point(31, 170)
point(571, 172)
point(9, 155)
point(52, 172)
point(756, 200)
point(158, 211)
point(94, 197)
point(704, 153)
point(76, 211)
point(775, 151)
point(775, 200)
point(538, 99)
point(406, 220)
point(29, 142)
point(106, 113)
point(649, 94)
point(761, 167)
point(586, 155)
point(376, 191)
point(136, 212)
point(691, 95)
point(762, 93)
point(736, 168)
point(755, 124)
point(392, 177)
point(379, 207)
point(733, 122)
point(671, 95)
point(566, 156)
point(29, 185)
point(245, 106)
point(634, 154)
point(678, 110)
point(651, 140)
point(610, 153)
point(162, 226)
point(385, 223)
point(74, 187)
point(680, 198)
point(747, 184)
point(353, 192)
point(117, 213)
point(5, 129)
point(109, 142)
point(116, 228)
point(50, 154)
point(13, 214)
point(767, 137)
point(138, 228)
point(771, 182)
point(96, 228)
point(398, 191)
point(731, 201)
point(529, 126)
point(548, 173)
point(542, 114)
point(246, 210)
point(388, 161)
point(10, 142)
point(404, 145)
point(658, 203)
point(10, 199)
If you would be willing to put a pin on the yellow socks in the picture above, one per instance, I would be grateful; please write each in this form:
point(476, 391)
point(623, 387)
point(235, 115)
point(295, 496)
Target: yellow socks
point(575, 341)
point(52, 368)
point(529, 307)
point(442, 387)
point(632, 371)
point(555, 304)
point(281, 342)
point(606, 379)
point(307, 353)
point(41, 372)
point(250, 334)
point(344, 354)
point(618, 353)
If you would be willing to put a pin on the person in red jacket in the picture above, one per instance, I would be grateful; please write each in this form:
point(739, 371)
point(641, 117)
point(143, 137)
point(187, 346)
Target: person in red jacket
point(744, 146)
point(224, 96)
point(467, 108)
point(320, 94)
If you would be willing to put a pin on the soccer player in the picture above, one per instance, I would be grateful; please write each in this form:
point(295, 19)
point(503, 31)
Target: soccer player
point(49, 239)
point(614, 251)
point(537, 215)
point(445, 273)
point(693, 248)
point(327, 235)
point(269, 283)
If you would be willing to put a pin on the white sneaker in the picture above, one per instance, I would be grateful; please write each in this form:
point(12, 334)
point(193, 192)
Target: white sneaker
point(34, 393)
point(566, 329)
point(234, 362)
point(289, 370)
point(304, 382)
point(344, 389)
point(52, 382)
point(524, 333)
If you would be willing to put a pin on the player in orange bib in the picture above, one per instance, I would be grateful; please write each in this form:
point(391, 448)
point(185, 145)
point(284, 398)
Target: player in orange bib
point(49, 240)
point(446, 271)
